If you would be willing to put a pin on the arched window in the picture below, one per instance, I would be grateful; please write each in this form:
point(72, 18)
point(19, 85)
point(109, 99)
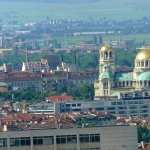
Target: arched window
point(146, 63)
point(105, 85)
point(106, 55)
point(142, 64)
point(123, 84)
point(138, 64)
point(127, 83)
point(110, 54)
point(145, 83)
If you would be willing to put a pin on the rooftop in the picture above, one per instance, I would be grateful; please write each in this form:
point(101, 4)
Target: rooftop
point(19, 121)
point(62, 98)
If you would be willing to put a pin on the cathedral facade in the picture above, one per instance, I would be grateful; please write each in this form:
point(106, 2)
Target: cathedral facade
point(111, 82)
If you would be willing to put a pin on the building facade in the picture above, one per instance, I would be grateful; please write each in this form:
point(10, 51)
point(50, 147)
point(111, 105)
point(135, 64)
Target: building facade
point(94, 138)
point(127, 104)
point(111, 82)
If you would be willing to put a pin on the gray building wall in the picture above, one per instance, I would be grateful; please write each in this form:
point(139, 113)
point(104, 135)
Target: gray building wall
point(111, 138)
point(117, 107)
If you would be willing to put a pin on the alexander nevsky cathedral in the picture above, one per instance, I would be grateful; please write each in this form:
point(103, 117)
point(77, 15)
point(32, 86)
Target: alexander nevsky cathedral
point(112, 83)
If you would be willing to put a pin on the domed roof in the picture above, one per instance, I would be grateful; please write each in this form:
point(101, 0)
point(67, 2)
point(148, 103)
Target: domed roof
point(145, 76)
point(144, 54)
point(106, 47)
point(106, 75)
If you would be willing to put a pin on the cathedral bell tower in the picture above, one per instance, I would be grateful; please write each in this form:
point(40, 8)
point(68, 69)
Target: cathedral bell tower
point(106, 70)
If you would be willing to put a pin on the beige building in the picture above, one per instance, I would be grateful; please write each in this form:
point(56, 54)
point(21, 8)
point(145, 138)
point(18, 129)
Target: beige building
point(111, 83)
point(3, 87)
point(94, 138)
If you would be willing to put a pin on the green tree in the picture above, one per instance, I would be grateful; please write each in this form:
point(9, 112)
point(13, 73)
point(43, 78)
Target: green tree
point(143, 134)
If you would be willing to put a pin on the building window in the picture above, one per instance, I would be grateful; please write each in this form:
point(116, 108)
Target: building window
point(122, 112)
point(144, 106)
point(87, 138)
point(71, 139)
point(45, 140)
point(84, 138)
point(94, 138)
point(23, 141)
point(110, 55)
point(127, 83)
point(3, 142)
point(105, 56)
point(67, 105)
point(133, 107)
point(146, 63)
point(123, 84)
point(73, 105)
point(61, 139)
point(142, 63)
point(112, 112)
point(100, 108)
point(105, 85)
point(123, 107)
point(66, 139)
point(78, 104)
point(144, 111)
point(111, 108)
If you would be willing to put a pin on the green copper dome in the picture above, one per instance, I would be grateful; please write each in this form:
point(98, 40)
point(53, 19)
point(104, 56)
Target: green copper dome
point(124, 76)
point(144, 76)
point(106, 75)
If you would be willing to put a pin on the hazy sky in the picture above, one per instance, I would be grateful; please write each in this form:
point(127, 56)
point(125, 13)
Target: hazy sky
point(33, 10)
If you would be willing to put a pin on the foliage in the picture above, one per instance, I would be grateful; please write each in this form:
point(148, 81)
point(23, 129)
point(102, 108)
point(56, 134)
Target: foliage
point(125, 58)
point(14, 58)
point(78, 91)
point(28, 94)
point(90, 60)
point(143, 134)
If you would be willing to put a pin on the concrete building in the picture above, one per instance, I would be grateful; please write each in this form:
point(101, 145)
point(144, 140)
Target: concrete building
point(94, 138)
point(125, 105)
point(43, 108)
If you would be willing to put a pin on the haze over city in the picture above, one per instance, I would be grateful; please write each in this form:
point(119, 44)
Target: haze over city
point(74, 75)
point(32, 10)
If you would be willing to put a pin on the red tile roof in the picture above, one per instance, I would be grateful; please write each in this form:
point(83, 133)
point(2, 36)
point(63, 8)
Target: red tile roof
point(64, 98)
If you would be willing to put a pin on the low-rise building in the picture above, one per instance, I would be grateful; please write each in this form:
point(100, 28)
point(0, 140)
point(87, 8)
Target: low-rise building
point(36, 66)
point(126, 104)
point(43, 108)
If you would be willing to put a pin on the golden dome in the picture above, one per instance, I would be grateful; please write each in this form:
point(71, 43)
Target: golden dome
point(144, 54)
point(106, 47)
